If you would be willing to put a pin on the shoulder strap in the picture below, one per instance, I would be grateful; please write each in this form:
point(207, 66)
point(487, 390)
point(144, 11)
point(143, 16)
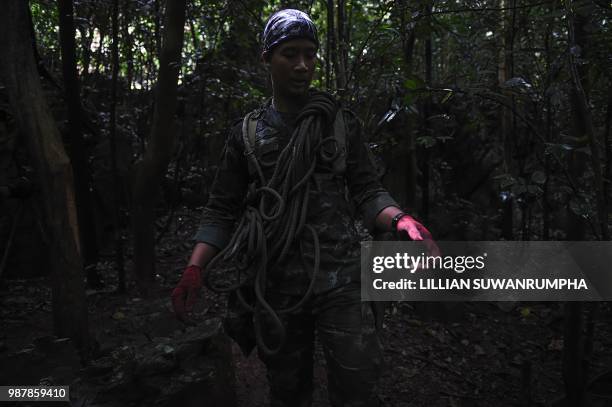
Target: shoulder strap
point(252, 128)
point(249, 126)
point(339, 166)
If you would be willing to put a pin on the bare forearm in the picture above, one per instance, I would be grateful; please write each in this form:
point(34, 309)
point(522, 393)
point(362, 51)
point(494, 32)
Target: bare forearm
point(202, 254)
point(383, 220)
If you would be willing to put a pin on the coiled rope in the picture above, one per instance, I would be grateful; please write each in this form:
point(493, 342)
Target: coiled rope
point(275, 215)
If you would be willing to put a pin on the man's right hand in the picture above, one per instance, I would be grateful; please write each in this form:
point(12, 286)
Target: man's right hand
point(186, 293)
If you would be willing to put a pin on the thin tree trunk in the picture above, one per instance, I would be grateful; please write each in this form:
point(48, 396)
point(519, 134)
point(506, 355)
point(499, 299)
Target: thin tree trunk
point(577, 161)
point(20, 76)
point(504, 71)
point(426, 114)
point(521, 156)
point(581, 104)
point(157, 32)
point(347, 34)
point(161, 146)
point(407, 160)
point(328, 44)
point(76, 146)
point(411, 155)
point(99, 52)
point(194, 36)
point(113, 150)
point(585, 112)
point(127, 43)
point(87, 38)
point(549, 124)
point(331, 35)
point(341, 66)
point(573, 354)
point(85, 45)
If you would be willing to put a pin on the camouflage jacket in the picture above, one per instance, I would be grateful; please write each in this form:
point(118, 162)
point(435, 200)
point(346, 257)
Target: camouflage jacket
point(334, 201)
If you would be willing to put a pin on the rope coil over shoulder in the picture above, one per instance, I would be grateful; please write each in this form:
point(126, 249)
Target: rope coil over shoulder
point(276, 209)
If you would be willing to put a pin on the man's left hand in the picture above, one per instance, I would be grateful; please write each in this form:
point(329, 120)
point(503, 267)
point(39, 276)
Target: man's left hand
point(409, 226)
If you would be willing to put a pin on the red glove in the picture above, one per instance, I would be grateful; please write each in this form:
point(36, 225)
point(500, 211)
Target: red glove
point(415, 231)
point(185, 295)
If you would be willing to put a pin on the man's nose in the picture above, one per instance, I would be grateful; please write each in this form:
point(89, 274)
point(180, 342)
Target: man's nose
point(301, 64)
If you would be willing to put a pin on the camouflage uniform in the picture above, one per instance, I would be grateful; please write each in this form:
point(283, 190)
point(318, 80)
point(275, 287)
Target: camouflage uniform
point(344, 325)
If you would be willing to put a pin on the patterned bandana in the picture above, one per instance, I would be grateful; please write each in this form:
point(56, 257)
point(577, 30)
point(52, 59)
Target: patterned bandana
point(286, 25)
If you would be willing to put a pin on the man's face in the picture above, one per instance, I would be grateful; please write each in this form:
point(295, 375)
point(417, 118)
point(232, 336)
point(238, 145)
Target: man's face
point(292, 66)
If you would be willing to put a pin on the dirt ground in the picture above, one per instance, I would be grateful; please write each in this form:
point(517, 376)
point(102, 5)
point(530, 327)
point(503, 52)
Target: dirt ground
point(446, 355)
point(491, 357)
point(480, 355)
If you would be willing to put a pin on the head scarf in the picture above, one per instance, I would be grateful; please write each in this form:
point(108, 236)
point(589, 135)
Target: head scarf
point(286, 25)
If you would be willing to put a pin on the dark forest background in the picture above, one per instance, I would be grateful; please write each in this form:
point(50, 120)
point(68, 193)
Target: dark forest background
point(489, 120)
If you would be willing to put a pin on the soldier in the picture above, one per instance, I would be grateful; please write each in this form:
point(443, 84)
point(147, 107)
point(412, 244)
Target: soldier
point(281, 210)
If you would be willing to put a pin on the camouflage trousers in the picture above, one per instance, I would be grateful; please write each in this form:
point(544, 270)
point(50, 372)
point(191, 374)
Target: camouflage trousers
point(346, 330)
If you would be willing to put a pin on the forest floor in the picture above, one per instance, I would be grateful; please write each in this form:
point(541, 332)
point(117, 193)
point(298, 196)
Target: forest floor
point(446, 355)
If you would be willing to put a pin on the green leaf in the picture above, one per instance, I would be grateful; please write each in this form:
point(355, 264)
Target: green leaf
point(408, 99)
point(411, 84)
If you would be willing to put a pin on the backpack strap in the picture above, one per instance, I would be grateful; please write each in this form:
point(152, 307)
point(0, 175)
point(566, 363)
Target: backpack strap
point(339, 166)
point(249, 126)
point(252, 128)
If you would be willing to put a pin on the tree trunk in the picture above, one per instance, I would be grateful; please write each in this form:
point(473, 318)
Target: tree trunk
point(194, 34)
point(151, 169)
point(577, 162)
point(341, 63)
point(584, 112)
point(76, 146)
point(20, 76)
point(506, 130)
point(573, 354)
point(157, 33)
point(328, 45)
point(87, 39)
point(426, 114)
point(99, 52)
point(546, 207)
point(113, 150)
point(86, 32)
point(127, 43)
point(408, 41)
point(332, 36)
